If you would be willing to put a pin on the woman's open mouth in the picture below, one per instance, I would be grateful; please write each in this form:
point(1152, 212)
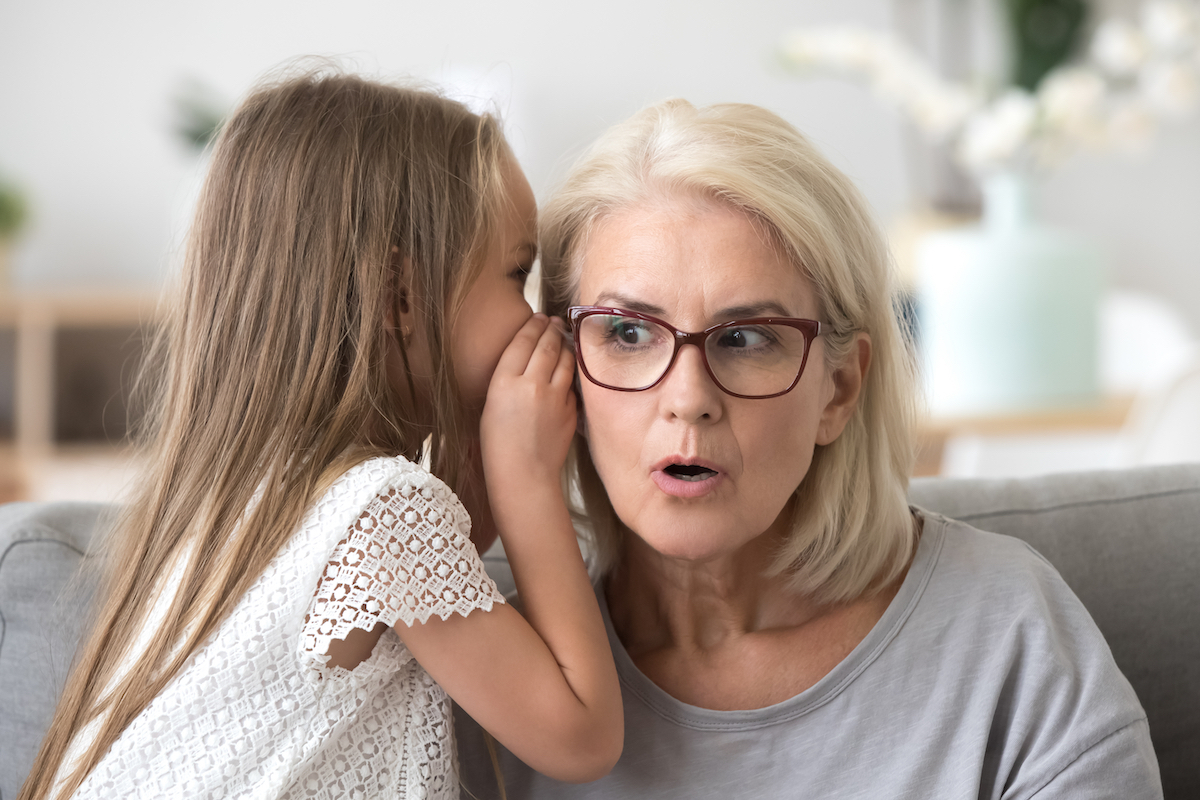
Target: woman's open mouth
point(680, 479)
point(689, 472)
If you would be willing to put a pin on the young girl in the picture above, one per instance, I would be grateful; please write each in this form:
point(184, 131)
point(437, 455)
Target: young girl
point(291, 596)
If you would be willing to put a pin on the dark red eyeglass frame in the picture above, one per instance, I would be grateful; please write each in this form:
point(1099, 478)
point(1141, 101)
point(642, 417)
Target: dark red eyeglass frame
point(810, 328)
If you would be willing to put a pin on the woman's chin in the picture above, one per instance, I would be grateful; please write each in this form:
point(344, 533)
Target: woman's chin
point(703, 530)
point(695, 543)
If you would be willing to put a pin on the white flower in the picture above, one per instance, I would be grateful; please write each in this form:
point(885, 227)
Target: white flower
point(1071, 101)
point(1072, 109)
point(999, 131)
point(892, 70)
point(1139, 76)
point(1118, 47)
point(1171, 26)
point(1130, 126)
point(1171, 87)
point(943, 113)
point(847, 49)
point(935, 106)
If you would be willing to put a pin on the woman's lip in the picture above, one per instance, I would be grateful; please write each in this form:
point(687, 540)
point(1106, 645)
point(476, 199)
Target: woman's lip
point(677, 487)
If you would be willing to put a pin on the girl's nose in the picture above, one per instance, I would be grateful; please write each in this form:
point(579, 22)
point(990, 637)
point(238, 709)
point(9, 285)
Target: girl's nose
point(688, 392)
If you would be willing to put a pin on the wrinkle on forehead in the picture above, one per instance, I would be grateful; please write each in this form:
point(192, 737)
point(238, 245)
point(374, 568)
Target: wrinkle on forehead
point(698, 201)
point(660, 233)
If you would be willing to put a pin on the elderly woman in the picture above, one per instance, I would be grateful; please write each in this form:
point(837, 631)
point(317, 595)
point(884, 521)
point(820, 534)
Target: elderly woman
point(784, 623)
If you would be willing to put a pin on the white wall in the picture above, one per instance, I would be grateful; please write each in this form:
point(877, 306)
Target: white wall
point(85, 112)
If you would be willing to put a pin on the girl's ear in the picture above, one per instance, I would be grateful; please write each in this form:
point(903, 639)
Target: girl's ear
point(402, 268)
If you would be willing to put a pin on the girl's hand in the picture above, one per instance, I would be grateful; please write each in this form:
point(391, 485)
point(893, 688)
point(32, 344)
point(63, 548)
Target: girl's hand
point(529, 417)
point(542, 681)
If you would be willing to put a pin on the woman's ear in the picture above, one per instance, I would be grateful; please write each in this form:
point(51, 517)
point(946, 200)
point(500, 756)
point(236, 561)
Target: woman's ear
point(847, 379)
point(580, 414)
point(581, 421)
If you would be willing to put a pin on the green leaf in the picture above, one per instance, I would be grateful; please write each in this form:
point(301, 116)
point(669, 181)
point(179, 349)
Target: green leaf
point(13, 210)
point(1045, 33)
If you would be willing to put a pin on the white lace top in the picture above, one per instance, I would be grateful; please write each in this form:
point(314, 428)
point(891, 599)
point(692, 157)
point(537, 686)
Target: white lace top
point(256, 713)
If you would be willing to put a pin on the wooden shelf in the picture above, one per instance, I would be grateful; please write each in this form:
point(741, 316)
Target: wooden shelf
point(69, 357)
point(1106, 414)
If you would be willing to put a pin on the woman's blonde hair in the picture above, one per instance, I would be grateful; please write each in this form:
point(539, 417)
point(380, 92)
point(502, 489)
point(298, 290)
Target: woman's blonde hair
point(270, 366)
point(851, 531)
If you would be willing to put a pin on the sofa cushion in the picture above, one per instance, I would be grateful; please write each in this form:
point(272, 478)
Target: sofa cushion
point(44, 603)
point(1128, 543)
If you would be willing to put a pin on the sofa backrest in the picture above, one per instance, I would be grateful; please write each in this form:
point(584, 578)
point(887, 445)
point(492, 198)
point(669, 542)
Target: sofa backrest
point(1128, 543)
point(44, 601)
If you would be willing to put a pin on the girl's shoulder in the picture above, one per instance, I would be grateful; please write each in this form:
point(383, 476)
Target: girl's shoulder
point(388, 471)
point(377, 485)
point(385, 475)
point(393, 541)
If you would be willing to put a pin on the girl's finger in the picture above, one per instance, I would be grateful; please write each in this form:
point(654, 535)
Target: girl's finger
point(564, 370)
point(545, 356)
point(515, 358)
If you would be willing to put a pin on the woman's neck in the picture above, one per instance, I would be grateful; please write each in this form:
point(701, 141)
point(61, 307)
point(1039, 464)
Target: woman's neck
point(659, 603)
point(722, 634)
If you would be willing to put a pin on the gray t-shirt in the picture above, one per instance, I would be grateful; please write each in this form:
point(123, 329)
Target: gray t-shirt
point(985, 678)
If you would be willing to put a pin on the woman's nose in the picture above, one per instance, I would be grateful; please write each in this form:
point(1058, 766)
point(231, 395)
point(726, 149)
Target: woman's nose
point(688, 392)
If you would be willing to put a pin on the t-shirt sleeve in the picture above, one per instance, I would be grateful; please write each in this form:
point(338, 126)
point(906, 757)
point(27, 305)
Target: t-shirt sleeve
point(1122, 766)
point(406, 557)
point(1065, 722)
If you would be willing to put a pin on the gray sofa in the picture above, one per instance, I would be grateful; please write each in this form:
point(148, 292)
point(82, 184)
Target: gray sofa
point(1128, 543)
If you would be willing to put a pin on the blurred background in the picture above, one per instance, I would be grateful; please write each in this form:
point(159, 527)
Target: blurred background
point(104, 108)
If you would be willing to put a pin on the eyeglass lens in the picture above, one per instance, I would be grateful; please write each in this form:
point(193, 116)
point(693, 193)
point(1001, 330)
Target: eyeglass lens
point(634, 353)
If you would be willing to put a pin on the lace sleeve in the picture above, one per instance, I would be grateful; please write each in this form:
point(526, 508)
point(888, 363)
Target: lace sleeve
point(406, 557)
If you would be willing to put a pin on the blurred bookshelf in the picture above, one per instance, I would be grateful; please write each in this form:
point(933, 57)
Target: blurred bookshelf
point(68, 361)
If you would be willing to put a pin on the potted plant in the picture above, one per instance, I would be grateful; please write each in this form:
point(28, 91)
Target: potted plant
point(1007, 308)
point(14, 212)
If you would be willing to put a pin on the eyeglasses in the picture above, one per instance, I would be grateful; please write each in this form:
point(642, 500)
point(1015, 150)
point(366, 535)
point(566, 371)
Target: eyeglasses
point(750, 358)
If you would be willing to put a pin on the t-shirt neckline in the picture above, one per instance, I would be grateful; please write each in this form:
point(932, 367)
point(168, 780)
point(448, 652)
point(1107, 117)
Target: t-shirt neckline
point(929, 548)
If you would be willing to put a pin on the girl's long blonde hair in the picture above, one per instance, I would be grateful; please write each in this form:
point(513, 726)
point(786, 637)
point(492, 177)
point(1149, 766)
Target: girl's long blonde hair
point(268, 372)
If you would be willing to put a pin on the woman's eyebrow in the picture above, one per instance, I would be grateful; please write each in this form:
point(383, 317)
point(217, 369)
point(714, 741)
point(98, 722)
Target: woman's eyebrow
point(767, 308)
point(619, 300)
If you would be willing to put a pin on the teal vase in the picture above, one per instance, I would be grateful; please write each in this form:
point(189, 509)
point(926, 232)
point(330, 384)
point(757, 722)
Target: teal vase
point(1007, 310)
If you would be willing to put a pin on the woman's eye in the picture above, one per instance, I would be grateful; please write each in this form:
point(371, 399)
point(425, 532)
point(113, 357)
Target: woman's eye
point(630, 332)
point(744, 338)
